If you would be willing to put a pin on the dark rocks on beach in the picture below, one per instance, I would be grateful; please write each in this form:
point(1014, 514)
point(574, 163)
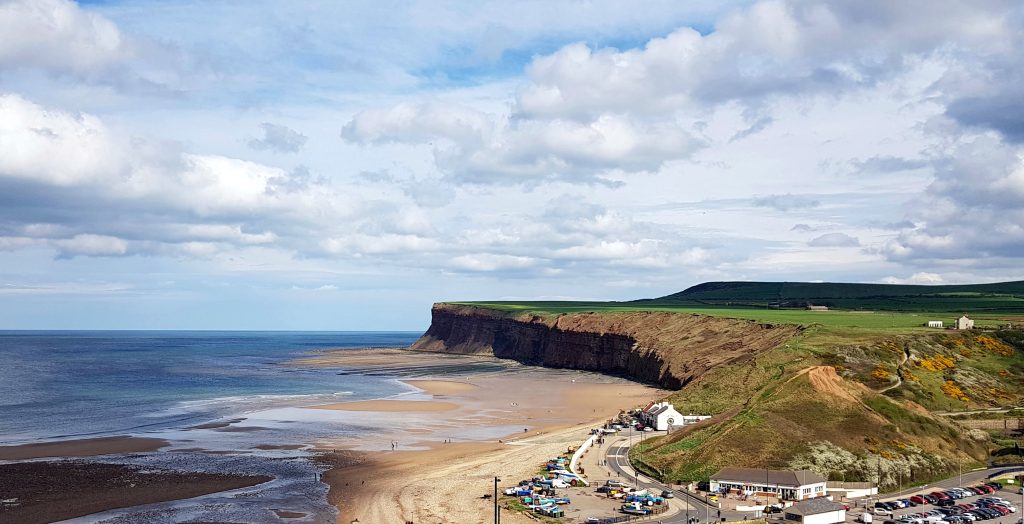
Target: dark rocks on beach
point(51, 491)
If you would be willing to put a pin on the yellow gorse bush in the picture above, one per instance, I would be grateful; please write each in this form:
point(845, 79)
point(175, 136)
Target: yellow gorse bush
point(937, 363)
point(953, 391)
point(994, 345)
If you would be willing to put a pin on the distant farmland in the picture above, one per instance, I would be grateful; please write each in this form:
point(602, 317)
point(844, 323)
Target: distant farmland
point(872, 306)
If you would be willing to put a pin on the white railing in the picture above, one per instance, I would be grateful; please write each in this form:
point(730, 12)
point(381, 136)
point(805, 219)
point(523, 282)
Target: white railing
point(574, 462)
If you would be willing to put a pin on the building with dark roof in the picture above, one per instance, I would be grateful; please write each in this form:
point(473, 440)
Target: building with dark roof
point(816, 511)
point(784, 484)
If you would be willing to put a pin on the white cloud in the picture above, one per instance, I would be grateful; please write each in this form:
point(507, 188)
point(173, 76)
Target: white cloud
point(488, 262)
point(923, 277)
point(92, 245)
point(478, 148)
point(58, 36)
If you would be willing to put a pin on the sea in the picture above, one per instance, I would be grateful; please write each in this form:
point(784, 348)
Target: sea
point(228, 401)
point(58, 385)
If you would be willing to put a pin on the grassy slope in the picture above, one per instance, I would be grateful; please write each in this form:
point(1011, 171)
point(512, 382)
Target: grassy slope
point(772, 414)
point(769, 413)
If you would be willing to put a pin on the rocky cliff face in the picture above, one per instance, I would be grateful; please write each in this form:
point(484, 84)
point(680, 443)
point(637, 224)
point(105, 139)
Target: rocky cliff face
point(668, 349)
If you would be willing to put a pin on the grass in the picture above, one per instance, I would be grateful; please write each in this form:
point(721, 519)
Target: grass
point(879, 320)
point(768, 413)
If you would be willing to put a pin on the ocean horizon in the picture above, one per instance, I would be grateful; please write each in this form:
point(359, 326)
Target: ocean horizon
point(70, 384)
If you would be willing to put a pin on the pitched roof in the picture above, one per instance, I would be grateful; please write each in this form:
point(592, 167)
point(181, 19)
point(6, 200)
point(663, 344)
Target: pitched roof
point(814, 506)
point(786, 478)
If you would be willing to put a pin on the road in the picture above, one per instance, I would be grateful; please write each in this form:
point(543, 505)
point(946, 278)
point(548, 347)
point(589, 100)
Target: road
point(617, 457)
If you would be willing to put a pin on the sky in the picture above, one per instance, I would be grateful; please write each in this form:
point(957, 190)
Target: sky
point(179, 164)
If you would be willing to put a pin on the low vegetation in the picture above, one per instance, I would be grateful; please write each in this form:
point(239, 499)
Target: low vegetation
point(859, 394)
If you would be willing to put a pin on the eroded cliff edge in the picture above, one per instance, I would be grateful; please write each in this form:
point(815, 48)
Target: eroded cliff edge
point(668, 349)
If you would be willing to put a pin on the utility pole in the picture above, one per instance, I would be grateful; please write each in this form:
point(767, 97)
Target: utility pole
point(497, 514)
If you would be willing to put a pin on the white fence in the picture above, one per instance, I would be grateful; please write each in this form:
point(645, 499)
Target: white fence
point(574, 462)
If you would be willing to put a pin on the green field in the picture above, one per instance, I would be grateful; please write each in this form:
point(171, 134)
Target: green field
point(837, 318)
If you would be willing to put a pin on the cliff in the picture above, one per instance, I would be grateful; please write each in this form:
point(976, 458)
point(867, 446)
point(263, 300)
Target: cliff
point(668, 349)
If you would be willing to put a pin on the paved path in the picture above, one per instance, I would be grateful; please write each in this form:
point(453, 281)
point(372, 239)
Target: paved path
point(617, 457)
point(899, 371)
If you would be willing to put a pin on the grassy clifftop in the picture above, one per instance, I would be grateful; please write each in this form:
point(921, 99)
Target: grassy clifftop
point(858, 393)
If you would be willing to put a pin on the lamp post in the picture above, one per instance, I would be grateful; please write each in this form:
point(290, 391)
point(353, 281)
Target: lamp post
point(497, 515)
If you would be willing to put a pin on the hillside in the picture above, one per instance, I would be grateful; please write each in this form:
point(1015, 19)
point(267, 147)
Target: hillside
point(1001, 297)
point(847, 404)
point(847, 392)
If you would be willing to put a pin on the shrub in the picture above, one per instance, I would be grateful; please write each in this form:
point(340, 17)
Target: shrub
point(953, 391)
point(994, 345)
point(937, 363)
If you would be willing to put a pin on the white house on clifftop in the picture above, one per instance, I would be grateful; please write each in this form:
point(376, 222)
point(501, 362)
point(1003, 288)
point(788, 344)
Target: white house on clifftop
point(662, 415)
point(964, 323)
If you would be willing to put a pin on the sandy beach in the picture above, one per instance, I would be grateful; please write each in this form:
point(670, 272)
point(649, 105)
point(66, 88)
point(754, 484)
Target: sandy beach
point(427, 455)
point(443, 470)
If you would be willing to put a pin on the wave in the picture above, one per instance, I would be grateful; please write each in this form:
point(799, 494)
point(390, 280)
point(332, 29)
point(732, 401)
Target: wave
point(246, 403)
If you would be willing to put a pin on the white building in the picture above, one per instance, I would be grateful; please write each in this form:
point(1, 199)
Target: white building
point(816, 511)
point(662, 415)
point(964, 323)
point(851, 490)
point(785, 484)
point(934, 324)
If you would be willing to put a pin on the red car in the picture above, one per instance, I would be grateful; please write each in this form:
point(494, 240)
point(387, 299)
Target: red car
point(918, 499)
point(939, 495)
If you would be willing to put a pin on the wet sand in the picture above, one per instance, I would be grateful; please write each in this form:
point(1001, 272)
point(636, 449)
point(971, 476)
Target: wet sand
point(82, 447)
point(442, 387)
point(52, 491)
point(391, 406)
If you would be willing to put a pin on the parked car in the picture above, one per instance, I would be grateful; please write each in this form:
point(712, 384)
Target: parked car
point(668, 494)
